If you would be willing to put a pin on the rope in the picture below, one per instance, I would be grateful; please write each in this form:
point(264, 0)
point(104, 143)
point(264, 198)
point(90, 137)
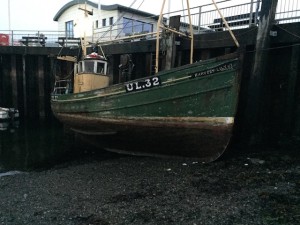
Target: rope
point(120, 17)
point(127, 22)
point(295, 35)
point(273, 48)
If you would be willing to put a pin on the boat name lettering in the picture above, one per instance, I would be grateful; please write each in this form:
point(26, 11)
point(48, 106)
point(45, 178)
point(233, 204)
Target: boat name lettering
point(217, 69)
point(141, 85)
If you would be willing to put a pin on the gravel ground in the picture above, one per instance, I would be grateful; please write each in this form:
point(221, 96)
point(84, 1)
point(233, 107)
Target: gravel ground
point(249, 188)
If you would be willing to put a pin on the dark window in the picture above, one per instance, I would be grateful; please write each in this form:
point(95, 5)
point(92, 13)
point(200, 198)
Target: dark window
point(100, 67)
point(103, 22)
point(111, 21)
point(135, 26)
point(89, 66)
point(96, 24)
point(148, 27)
point(69, 29)
point(127, 26)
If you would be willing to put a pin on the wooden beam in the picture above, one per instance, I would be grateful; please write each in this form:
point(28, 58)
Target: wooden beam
point(14, 81)
point(170, 43)
point(291, 90)
point(68, 58)
point(256, 108)
point(24, 85)
point(41, 85)
point(157, 36)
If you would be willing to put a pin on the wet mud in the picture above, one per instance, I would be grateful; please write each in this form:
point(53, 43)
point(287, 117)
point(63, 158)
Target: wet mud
point(247, 188)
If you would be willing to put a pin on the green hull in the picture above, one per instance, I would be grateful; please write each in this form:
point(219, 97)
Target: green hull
point(187, 111)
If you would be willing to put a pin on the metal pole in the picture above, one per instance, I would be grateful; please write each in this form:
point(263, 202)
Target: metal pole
point(12, 37)
point(8, 1)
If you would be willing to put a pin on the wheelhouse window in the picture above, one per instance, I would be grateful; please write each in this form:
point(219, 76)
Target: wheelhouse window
point(92, 66)
point(70, 29)
point(100, 67)
point(89, 66)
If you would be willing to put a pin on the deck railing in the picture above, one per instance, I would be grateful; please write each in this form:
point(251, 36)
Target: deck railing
point(246, 13)
point(205, 18)
point(33, 38)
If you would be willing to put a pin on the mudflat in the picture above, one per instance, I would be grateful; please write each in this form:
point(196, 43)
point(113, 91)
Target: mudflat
point(250, 188)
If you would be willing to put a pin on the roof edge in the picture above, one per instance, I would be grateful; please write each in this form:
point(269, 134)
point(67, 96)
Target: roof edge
point(70, 4)
point(103, 7)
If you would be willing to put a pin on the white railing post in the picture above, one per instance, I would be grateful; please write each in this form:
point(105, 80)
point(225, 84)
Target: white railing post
point(256, 11)
point(12, 37)
point(251, 14)
point(199, 20)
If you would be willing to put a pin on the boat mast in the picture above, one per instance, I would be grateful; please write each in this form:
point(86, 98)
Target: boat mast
point(157, 36)
point(83, 39)
point(191, 35)
point(83, 42)
point(191, 32)
point(226, 24)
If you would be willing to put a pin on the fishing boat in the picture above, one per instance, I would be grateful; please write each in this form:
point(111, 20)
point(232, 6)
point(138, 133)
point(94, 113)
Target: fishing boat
point(187, 111)
point(7, 114)
point(9, 118)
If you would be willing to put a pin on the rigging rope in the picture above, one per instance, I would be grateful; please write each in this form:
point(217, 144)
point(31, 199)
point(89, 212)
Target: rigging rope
point(120, 17)
point(128, 21)
point(295, 35)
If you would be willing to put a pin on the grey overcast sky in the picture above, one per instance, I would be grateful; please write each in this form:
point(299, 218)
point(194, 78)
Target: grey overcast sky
point(38, 14)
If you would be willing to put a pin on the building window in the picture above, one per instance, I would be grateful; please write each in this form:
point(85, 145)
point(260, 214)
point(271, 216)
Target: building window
point(103, 22)
point(96, 24)
point(127, 25)
point(70, 29)
point(135, 26)
point(111, 21)
point(148, 27)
